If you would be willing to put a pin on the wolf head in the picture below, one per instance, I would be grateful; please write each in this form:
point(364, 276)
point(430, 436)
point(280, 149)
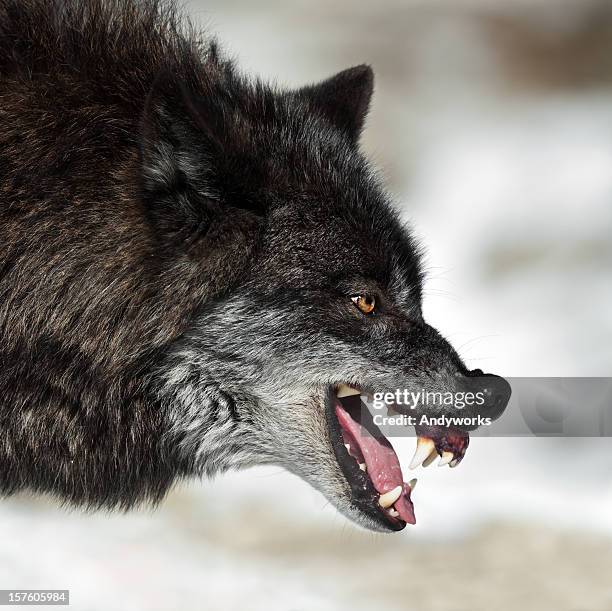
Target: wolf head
point(318, 289)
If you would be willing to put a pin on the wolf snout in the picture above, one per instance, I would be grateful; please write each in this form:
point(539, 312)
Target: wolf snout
point(492, 390)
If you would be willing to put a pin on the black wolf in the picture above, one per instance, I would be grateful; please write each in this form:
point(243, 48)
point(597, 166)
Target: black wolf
point(194, 266)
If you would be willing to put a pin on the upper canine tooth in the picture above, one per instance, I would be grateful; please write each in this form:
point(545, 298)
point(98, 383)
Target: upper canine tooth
point(388, 498)
point(446, 458)
point(412, 483)
point(434, 454)
point(346, 391)
point(425, 446)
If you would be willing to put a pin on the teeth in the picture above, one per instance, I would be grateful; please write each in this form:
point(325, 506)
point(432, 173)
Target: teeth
point(434, 454)
point(393, 513)
point(412, 483)
point(425, 447)
point(362, 466)
point(454, 463)
point(348, 447)
point(388, 498)
point(346, 391)
point(446, 458)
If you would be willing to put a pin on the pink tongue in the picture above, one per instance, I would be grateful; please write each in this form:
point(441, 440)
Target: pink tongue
point(381, 461)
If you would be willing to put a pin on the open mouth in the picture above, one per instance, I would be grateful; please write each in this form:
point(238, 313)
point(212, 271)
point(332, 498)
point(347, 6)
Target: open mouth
point(371, 465)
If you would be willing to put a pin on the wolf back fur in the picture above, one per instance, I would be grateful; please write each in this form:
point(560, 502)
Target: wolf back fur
point(90, 290)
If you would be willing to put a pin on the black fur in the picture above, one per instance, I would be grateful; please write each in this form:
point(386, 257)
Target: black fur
point(178, 250)
point(91, 289)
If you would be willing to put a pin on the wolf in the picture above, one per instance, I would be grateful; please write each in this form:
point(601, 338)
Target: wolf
point(198, 271)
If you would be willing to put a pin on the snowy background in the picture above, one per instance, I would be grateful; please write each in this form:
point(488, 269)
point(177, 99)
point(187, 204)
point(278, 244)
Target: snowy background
point(493, 124)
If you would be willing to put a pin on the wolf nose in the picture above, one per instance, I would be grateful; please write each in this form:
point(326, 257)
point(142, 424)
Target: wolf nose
point(496, 392)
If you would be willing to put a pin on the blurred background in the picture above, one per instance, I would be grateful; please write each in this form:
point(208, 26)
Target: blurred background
point(492, 122)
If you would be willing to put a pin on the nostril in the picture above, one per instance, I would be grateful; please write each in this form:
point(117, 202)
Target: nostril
point(491, 394)
point(492, 399)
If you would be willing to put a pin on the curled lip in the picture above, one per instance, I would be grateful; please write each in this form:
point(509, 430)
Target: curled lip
point(377, 488)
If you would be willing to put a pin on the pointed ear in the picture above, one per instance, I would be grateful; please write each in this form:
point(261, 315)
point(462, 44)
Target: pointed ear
point(343, 99)
point(183, 145)
point(171, 165)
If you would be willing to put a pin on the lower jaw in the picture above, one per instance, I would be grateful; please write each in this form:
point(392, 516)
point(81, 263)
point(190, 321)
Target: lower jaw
point(374, 519)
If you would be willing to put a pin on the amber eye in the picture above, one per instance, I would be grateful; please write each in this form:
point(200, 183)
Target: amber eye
point(366, 303)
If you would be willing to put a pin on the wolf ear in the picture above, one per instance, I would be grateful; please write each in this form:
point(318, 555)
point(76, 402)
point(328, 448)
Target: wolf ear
point(343, 99)
point(172, 163)
point(182, 144)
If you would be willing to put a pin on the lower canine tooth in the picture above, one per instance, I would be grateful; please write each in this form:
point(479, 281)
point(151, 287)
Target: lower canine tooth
point(388, 498)
point(424, 448)
point(393, 513)
point(346, 391)
point(412, 483)
point(454, 463)
point(362, 466)
point(446, 458)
